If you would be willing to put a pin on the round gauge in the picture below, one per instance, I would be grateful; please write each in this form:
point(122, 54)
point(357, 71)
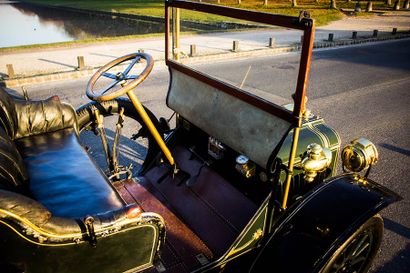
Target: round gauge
point(242, 160)
point(263, 176)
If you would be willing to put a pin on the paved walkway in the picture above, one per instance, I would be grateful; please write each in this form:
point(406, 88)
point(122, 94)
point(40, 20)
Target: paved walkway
point(65, 59)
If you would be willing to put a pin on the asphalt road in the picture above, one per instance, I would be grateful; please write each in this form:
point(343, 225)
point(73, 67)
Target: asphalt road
point(360, 91)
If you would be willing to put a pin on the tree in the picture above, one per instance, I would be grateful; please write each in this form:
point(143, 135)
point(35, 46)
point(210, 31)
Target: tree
point(333, 4)
point(294, 4)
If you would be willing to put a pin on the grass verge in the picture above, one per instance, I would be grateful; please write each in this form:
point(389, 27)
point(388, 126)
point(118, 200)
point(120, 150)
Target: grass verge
point(319, 10)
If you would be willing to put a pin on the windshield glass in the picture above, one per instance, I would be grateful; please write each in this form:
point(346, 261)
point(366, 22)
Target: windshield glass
point(271, 59)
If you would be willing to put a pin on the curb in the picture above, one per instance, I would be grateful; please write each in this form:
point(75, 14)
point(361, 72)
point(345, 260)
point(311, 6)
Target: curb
point(345, 42)
point(41, 78)
point(55, 76)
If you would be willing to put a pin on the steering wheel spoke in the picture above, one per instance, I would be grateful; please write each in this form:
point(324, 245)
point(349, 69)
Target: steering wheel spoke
point(109, 87)
point(131, 65)
point(131, 77)
point(109, 75)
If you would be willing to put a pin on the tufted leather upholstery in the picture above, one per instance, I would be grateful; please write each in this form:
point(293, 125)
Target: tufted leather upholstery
point(8, 119)
point(13, 174)
point(16, 116)
point(41, 157)
point(23, 206)
point(51, 115)
point(54, 199)
point(62, 176)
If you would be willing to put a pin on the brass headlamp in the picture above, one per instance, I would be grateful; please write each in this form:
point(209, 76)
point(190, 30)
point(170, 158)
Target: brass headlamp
point(359, 155)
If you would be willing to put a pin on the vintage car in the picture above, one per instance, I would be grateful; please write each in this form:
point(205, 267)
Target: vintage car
point(237, 184)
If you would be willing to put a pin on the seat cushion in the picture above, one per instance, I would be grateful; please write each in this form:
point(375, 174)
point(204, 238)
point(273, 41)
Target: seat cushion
point(64, 178)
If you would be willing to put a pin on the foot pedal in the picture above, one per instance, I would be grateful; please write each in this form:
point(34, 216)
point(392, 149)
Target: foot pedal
point(176, 174)
point(182, 177)
point(202, 259)
point(160, 267)
point(165, 175)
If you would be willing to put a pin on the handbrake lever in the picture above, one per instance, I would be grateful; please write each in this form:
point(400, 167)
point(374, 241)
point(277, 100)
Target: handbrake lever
point(101, 131)
point(118, 128)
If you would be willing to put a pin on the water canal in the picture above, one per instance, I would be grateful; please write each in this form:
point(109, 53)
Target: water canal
point(24, 24)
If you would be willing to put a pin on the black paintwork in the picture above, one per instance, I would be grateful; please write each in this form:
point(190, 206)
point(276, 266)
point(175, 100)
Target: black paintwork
point(310, 230)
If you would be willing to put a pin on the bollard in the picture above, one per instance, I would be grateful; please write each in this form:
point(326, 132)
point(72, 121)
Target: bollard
point(192, 52)
point(375, 33)
point(394, 31)
point(235, 46)
point(80, 61)
point(113, 16)
point(330, 39)
point(396, 5)
point(369, 6)
point(357, 7)
point(406, 4)
point(140, 50)
point(354, 35)
point(272, 42)
point(10, 71)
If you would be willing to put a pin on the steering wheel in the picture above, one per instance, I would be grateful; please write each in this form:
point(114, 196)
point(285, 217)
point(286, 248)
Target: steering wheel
point(121, 78)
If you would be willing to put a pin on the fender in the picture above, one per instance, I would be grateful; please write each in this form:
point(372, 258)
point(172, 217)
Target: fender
point(312, 229)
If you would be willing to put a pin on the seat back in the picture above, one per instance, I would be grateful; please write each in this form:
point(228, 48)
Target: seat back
point(21, 118)
point(8, 118)
point(13, 174)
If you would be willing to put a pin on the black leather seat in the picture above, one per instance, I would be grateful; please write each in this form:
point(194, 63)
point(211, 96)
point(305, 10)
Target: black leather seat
point(61, 175)
point(56, 204)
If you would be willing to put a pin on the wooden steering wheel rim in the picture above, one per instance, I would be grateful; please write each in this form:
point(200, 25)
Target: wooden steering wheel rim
point(125, 89)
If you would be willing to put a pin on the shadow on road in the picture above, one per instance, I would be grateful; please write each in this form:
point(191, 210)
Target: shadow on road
point(395, 149)
point(397, 228)
point(400, 262)
point(387, 55)
point(54, 62)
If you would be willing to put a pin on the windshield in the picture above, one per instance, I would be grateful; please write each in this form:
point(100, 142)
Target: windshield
point(254, 82)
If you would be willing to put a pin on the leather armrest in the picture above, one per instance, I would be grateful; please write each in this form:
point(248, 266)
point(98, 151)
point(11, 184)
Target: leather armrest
point(60, 225)
point(21, 210)
point(22, 207)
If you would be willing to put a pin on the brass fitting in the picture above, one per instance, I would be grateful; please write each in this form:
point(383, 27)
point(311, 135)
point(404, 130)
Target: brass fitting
point(316, 160)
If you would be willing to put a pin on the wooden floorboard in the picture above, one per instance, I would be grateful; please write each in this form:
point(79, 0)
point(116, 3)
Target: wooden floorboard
point(182, 246)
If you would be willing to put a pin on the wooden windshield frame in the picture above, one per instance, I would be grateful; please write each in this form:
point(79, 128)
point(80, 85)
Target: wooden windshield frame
point(303, 23)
